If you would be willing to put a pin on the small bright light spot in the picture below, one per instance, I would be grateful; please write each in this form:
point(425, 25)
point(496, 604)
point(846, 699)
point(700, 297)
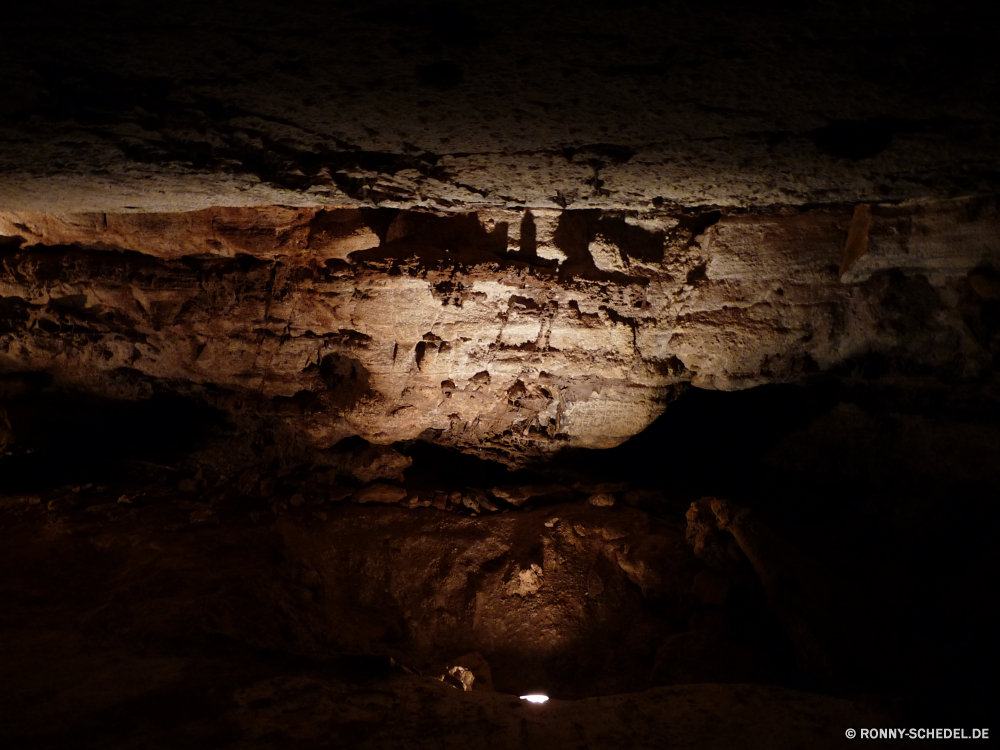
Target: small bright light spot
point(535, 698)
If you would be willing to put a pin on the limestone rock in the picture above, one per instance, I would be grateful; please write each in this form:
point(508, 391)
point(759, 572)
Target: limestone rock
point(446, 331)
point(380, 493)
point(475, 671)
point(368, 464)
point(602, 500)
point(752, 107)
point(463, 676)
point(324, 237)
point(520, 494)
point(525, 582)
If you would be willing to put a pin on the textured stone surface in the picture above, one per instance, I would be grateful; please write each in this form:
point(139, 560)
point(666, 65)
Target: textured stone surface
point(512, 333)
point(663, 197)
point(189, 105)
point(244, 701)
point(236, 238)
point(240, 598)
point(422, 586)
point(141, 625)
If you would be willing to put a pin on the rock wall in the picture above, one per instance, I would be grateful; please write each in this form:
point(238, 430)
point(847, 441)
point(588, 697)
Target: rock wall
point(510, 333)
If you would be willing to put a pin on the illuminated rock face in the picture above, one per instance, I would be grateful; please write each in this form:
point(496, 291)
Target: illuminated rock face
point(510, 333)
point(662, 197)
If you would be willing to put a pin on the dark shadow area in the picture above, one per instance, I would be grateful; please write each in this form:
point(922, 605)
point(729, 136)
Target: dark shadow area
point(846, 139)
point(65, 438)
point(528, 245)
point(890, 488)
point(771, 444)
point(917, 557)
point(443, 75)
point(433, 463)
point(707, 442)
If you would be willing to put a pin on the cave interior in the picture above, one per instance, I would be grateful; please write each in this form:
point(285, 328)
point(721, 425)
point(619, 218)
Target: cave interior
point(367, 366)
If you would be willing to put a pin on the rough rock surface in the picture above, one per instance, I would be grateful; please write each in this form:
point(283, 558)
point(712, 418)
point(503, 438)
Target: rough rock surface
point(250, 702)
point(128, 106)
point(510, 333)
point(331, 600)
point(141, 623)
point(237, 598)
point(263, 265)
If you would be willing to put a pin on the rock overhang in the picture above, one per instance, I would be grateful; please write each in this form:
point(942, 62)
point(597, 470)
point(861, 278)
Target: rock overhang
point(510, 229)
point(509, 333)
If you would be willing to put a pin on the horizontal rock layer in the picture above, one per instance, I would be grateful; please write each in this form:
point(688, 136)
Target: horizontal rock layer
point(188, 105)
point(513, 333)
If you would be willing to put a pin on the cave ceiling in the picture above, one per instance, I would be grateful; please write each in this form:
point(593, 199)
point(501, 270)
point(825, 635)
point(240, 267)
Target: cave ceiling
point(184, 106)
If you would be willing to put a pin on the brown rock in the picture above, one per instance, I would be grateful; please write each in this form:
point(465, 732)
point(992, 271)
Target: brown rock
point(595, 584)
point(469, 501)
point(600, 488)
point(380, 493)
point(525, 582)
point(370, 463)
point(463, 677)
point(477, 667)
point(187, 485)
point(519, 495)
point(710, 588)
point(338, 492)
point(709, 544)
point(857, 237)
point(602, 500)
point(741, 313)
point(476, 501)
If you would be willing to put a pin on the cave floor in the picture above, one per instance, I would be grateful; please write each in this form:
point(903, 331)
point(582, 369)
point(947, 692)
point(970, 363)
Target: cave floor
point(797, 565)
point(130, 625)
point(64, 691)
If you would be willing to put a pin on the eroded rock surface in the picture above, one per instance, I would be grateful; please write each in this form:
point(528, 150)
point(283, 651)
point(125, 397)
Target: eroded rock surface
point(509, 333)
point(484, 104)
point(264, 267)
point(322, 619)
